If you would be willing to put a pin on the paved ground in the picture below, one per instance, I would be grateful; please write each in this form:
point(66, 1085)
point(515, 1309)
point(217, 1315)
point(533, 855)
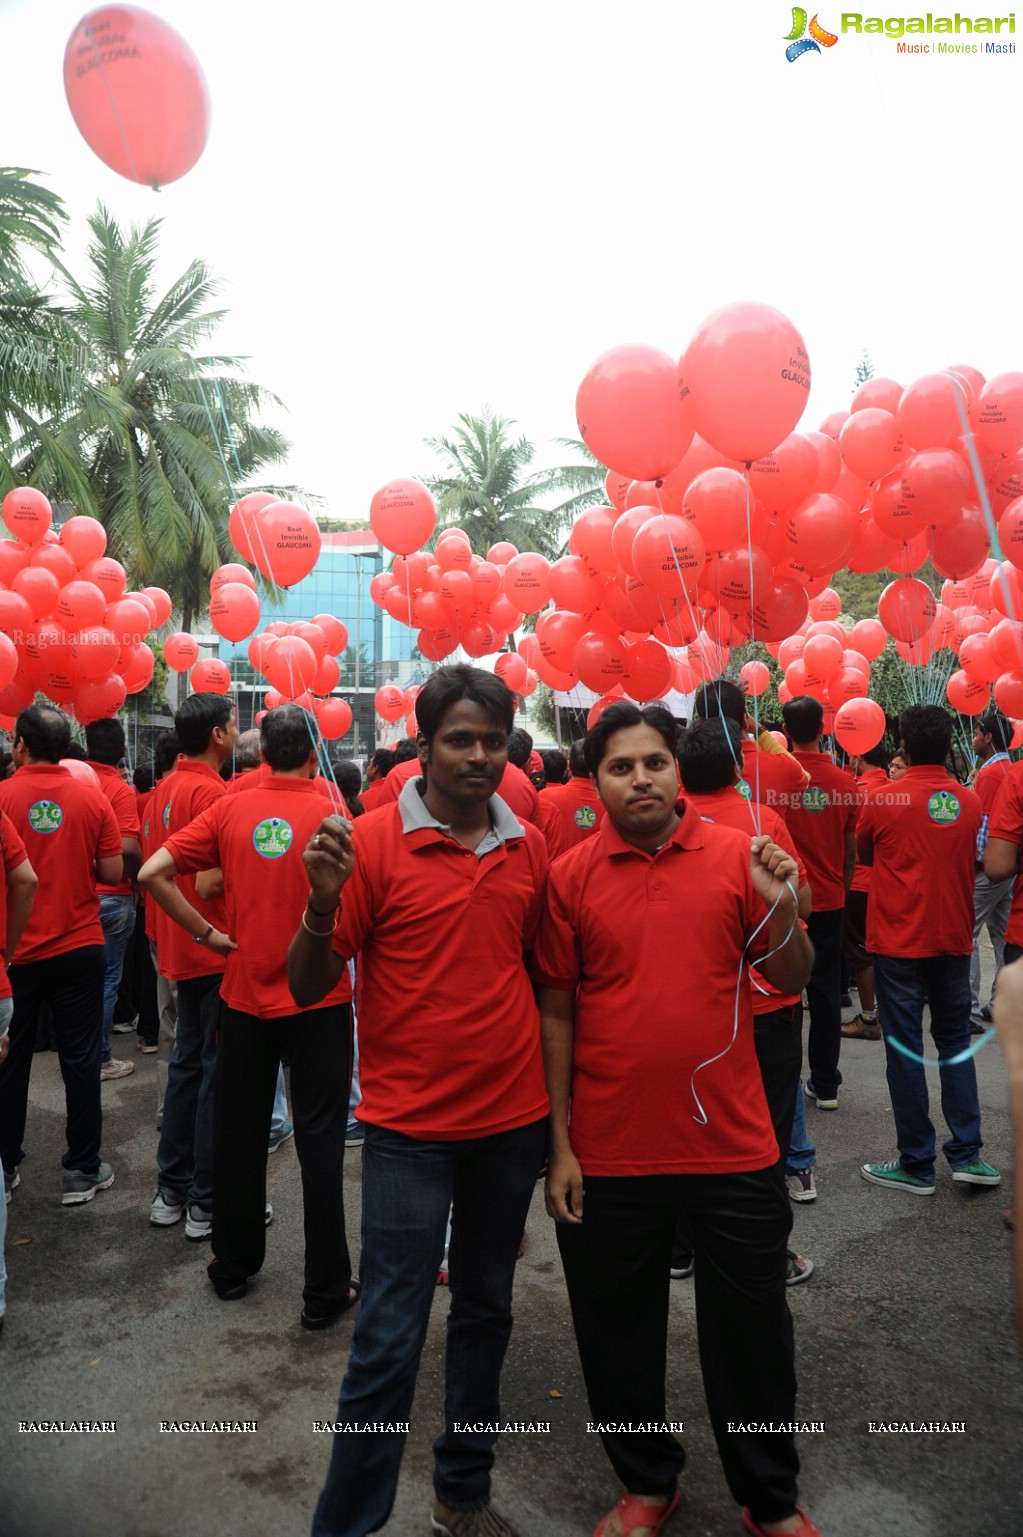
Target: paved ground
point(908, 1316)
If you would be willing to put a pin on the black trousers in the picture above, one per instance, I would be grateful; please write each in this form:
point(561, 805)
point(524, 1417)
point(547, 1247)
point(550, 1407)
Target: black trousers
point(72, 985)
point(824, 996)
point(616, 1267)
point(318, 1045)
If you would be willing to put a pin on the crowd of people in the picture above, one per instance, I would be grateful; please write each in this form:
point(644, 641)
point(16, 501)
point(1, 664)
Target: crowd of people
point(538, 909)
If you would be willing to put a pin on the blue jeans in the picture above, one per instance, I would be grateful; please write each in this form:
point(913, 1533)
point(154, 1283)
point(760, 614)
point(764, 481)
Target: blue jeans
point(185, 1154)
point(407, 1188)
point(903, 986)
point(6, 1010)
point(802, 1152)
point(117, 915)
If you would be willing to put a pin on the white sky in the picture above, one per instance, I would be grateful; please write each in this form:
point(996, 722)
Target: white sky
point(416, 209)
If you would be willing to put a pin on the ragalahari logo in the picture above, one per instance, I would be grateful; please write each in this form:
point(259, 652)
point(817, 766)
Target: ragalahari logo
point(806, 38)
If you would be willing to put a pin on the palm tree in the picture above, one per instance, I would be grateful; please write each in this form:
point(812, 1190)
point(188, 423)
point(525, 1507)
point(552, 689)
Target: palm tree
point(159, 437)
point(491, 492)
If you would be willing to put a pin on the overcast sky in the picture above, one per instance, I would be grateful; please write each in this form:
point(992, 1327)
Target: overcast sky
point(419, 208)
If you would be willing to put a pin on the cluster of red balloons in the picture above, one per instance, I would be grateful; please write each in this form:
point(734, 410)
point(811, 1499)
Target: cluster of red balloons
point(300, 663)
point(392, 703)
point(281, 539)
point(68, 625)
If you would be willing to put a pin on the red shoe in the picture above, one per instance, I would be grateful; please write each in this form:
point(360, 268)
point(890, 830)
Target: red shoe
point(808, 1529)
point(521, 1248)
point(633, 1514)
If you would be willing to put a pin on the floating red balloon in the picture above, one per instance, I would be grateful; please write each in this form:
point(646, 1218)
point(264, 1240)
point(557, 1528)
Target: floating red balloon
point(859, 725)
point(403, 515)
point(180, 651)
point(234, 610)
point(629, 412)
point(746, 378)
point(27, 514)
point(84, 538)
point(286, 542)
point(210, 676)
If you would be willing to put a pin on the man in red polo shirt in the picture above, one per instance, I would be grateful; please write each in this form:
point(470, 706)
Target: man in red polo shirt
point(442, 896)
point(257, 841)
point(104, 742)
point(922, 852)
point(166, 751)
point(871, 770)
point(657, 1105)
point(992, 901)
point(206, 728)
point(771, 775)
point(578, 806)
point(72, 840)
point(377, 769)
point(517, 792)
point(822, 821)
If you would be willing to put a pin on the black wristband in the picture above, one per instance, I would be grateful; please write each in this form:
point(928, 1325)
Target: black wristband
point(316, 910)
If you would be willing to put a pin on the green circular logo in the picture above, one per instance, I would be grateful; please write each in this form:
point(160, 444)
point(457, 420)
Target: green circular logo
point(815, 799)
point(743, 789)
point(944, 808)
point(45, 817)
point(145, 830)
point(166, 815)
point(585, 818)
point(272, 837)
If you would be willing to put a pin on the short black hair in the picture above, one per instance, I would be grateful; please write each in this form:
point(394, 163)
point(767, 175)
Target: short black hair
point(803, 717)
point(926, 730)
point(104, 741)
point(555, 765)
point(142, 778)
point(76, 751)
point(618, 717)
point(166, 751)
point(720, 699)
point(287, 736)
point(707, 756)
point(577, 759)
point(348, 778)
point(520, 745)
point(998, 727)
point(449, 685)
point(45, 732)
point(877, 757)
point(406, 750)
point(196, 719)
point(384, 760)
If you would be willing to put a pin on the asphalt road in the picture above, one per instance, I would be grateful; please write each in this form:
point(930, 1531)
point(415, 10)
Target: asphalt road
point(908, 1317)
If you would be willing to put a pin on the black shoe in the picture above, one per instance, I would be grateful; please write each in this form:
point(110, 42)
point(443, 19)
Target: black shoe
point(317, 1318)
point(228, 1289)
point(846, 1001)
point(986, 1015)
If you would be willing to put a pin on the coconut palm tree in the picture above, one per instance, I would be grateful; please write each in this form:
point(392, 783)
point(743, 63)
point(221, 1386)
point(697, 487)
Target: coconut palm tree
point(492, 493)
point(160, 436)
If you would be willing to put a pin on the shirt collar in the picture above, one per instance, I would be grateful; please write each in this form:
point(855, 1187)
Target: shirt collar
point(504, 824)
point(687, 835)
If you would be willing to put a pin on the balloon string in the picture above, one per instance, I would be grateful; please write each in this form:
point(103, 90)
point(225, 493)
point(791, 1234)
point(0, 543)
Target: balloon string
point(98, 58)
point(961, 1056)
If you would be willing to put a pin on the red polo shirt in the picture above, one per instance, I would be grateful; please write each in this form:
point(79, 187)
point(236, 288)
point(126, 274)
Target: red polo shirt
point(653, 945)
point(14, 855)
point(375, 794)
point(729, 808)
point(257, 840)
point(124, 804)
point(818, 818)
point(516, 789)
point(449, 1034)
point(178, 800)
point(874, 782)
point(921, 891)
point(988, 782)
point(1005, 820)
point(66, 826)
point(774, 778)
point(579, 808)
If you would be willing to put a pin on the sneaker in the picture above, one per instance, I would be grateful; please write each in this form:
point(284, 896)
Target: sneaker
point(268, 1215)
point(198, 1223)
point(469, 1523)
point(822, 1104)
point(846, 1001)
point(125, 1026)
point(115, 1069)
point(165, 1209)
point(279, 1136)
point(800, 1183)
point(11, 1182)
point(976, 1173)
point(355, 1136)
point(890, 1172)
point(680, 1269)
point(79, 1187)
point(862, 1029)
point(148, 1047)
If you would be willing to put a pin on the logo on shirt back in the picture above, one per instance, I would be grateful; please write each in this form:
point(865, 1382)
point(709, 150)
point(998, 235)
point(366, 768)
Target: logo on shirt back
point(743, 789)
point(272, 837)
point(585, 818)
point(815, 799)
point(45, 817)
point(943, 807)
point(166, 815)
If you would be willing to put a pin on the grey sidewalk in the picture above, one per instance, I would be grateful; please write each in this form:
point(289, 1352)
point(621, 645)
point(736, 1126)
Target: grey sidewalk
point(908, 1316)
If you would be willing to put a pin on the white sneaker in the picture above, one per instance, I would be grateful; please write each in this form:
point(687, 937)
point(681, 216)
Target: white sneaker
point(198, 1223)
point(165, 1210)
point(800, 1184)
point(115, 1069)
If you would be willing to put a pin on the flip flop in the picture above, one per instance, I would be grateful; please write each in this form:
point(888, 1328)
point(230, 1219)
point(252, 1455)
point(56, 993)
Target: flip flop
point(808, 1529)
point(332, 1314)
point(633, 1514)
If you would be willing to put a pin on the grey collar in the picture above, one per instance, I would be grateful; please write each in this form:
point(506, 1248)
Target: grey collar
point(504, 824)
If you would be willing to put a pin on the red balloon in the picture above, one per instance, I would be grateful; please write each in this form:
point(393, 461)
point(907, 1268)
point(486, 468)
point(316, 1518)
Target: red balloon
point(877, 393)
point(501, 552)
point(590, 539)
point(286, 542)
point(130, 620)
point(720, 504)
point(826, 605)
point(868, 637)
point(83, 771)
point(161, 602)
point(871, 443)
point(26, 513)
point(617, 488)
point(15, 556)
point(823, 533)
point(738, 578)
point(574, 585)
point(334, 717)
point(960, 549)
point(967, 697)
point(95, 652)
point(80, 605)
point(829, 460)
point(234, 610)
point(403, 515)
point(558, 633)
point(210, 676)
point(937, 483)
point(328, 676)
point(822, 655)
point(527, 582)
point(512, 669)
point(649, 672)
point(312, 635)
point(977, 659)
point(755, 677)
point(630, 415)
point(833, 423)
point(335, 632)
point(137, 94)
point(8, 660)
point(906, 608)
point(786, 476)
point(241, 522)
point(668, 555)
point(935, 411)
point(780, 610)
point(84, 538)
point(231, 572)
point(291, 665)
point(999, 413)
point(39, 588)
point(1007, 590)
point(99, 699)
point(859, 725)
point(136, 667)
point(1008, 693)
point(180, 651)
point(51, 557)
point(746, 378)
point(108, 575)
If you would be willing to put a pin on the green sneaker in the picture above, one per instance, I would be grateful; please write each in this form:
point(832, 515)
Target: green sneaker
point(890, 1172)
point(977, 1173)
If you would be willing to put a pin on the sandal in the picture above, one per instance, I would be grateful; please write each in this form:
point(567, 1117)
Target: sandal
point(798, 1268)
point(1009, 1218)
point(808, 1529)
point(633, 1514)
